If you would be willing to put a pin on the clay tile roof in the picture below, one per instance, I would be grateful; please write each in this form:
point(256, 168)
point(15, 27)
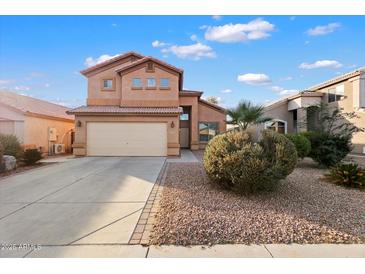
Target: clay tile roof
point(26, 104)
point(150, 58)
point(126, 110)
point(109, 61)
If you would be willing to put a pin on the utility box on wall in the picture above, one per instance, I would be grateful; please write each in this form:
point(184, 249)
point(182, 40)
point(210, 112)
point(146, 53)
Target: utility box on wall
point(52, 134)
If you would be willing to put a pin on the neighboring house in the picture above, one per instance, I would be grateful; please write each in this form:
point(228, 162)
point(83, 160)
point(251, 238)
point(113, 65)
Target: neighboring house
point(36, 123)
point(137, 106)
point(346, 92)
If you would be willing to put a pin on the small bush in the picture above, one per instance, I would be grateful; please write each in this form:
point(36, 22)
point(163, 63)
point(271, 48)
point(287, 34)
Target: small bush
point(327, 149)
point(31, 156)
point(302, 144)
point(349, 175)
point(1, 153)
point(233, 161)
point(11, 145)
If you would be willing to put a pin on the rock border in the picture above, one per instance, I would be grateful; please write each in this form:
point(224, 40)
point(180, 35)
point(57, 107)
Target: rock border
point(144, 226)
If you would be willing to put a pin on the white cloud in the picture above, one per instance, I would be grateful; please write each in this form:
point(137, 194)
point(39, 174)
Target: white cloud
point(90, 61)
point(254, 79)
point(114, 25)
point(321, 64)
point(277, 88)
point(233, 33)
point(193, 52)
point(47, 85)
point(283, 91)
point(292, 18)
point(5, 81)
point(226, 90)
point(194, 37)
point(159, 44)
point(288, 91)
point(21, 88)
point(307, 42)
point(217, 17)
point(323, 30)
point(288, 78)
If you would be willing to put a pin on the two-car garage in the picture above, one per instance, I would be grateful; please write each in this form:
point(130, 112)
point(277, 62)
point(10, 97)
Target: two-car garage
point(126, 139)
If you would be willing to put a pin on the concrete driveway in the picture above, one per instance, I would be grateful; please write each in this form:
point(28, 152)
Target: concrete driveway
point(84, 201)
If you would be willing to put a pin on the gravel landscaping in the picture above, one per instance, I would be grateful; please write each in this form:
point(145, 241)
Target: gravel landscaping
point(305, 209)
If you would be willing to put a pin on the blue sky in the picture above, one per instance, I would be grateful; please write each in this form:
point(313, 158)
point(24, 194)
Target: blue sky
point(258, 58)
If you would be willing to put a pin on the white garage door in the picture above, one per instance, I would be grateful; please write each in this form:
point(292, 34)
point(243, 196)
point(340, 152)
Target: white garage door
point(126, 139)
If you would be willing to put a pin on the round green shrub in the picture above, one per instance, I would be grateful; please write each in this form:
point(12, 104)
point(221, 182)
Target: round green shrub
point(11, 145)
point(233, 161)
point(31, 156)
point(302, 144)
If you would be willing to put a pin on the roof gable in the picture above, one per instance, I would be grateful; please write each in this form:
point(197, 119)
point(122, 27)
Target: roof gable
point(111, 61)
point(150, 59)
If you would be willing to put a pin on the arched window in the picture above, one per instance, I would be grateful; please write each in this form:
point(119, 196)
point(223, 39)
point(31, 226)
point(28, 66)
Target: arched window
point(277, 125)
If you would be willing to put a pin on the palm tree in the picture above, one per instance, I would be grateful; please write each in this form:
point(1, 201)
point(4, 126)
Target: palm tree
point(246, 114)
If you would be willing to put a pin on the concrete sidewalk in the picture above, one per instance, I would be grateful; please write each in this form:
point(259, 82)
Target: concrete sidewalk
point(216, 251)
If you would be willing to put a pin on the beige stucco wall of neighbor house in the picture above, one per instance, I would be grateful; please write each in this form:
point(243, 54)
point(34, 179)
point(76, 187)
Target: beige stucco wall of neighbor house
point(173, 146)
point(354, 92)
point(36, 132)
point(280, 111)
point(12, 122)
point(210, 114)
point(149, 97)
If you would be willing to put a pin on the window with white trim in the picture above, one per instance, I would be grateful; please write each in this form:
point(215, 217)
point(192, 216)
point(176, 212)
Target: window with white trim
point(336, 94)
point(279, 126)
point(108, 83)
point(151, 82)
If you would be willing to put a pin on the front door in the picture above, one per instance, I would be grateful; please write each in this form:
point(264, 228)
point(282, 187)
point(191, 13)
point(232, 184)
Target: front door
point(184, 137)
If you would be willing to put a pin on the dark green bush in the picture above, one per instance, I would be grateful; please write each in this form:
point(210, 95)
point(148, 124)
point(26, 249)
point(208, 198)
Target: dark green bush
point(31, 156)
point(327, 149)
point(11, 145)
point(349, 175)
point(233, 161)
point(302, 144)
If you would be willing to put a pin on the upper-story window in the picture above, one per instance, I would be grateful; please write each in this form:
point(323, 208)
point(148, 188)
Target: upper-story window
point(151, 82)
point(336, 94)
point(164, 82)
point(137, 83)
point(108, 84)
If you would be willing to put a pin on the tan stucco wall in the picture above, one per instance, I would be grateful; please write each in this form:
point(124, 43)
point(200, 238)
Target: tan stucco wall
point(173, 147)
point(122, 92)
point(150, 97)
point(96, 96)
point(36, 132)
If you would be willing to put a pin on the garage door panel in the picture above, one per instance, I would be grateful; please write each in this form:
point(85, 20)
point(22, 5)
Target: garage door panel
point(126, 139)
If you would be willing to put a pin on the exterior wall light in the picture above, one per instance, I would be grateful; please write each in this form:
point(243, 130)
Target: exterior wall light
point(78, 123)
point(172, 124)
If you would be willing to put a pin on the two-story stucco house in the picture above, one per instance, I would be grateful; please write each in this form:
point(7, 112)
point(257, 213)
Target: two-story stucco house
point(346, 92)
point(137, 106)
